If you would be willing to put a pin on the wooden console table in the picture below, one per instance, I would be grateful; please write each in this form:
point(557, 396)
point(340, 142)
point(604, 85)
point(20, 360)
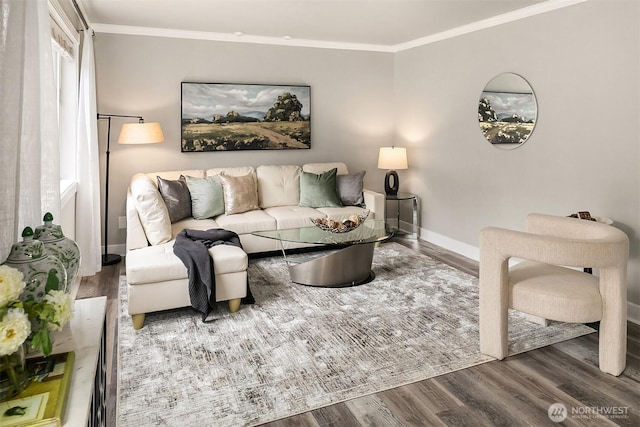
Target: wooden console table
point(86, 335)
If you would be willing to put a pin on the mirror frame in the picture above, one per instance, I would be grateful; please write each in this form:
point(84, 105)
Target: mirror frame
point(507, 111)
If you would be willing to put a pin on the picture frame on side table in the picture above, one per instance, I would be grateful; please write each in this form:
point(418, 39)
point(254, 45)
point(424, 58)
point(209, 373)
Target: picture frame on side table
point(231, 117)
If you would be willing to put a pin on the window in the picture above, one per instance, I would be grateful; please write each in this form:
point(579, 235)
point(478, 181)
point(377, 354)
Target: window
point(64, 39)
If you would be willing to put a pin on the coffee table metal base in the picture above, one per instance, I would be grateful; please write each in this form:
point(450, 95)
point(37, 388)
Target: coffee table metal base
point(347, 267)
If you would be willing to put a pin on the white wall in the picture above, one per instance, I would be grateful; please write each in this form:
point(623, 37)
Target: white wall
point(351, 103)
point(583, 63)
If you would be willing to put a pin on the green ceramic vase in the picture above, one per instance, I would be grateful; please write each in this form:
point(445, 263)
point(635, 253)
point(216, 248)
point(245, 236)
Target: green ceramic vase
point(42, 272)
point(63, 248)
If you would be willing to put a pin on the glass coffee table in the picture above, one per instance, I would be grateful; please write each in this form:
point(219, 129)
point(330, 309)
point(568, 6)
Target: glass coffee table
point(348, 265)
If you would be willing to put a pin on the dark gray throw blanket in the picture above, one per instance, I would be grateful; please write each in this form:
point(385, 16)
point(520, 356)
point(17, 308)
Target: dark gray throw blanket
point(192, 247)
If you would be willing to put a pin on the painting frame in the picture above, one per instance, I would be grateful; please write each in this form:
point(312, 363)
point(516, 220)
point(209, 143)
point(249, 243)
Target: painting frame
point(244, 116)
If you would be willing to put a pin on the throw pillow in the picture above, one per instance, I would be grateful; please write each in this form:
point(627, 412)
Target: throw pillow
point(152, 211)
point(319, 190)
point(207, 200)
point(177, 198)
point(240, 193)
point(350, 189)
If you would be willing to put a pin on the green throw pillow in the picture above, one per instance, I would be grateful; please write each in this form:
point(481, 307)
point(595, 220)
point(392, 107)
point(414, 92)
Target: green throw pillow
point(317, 191)
point(207, 199)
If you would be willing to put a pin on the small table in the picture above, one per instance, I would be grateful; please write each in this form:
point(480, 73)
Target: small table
point(398, 198)
point(348, 266)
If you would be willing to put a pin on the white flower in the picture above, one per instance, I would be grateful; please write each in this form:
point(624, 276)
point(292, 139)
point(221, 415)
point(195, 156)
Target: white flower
point(62, 303)
point(11, 284)
point(15, 327)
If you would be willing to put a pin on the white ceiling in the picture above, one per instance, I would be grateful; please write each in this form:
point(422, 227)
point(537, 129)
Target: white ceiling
point(384, 24)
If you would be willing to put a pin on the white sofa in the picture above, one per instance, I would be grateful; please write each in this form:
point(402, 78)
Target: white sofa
point(157, 279)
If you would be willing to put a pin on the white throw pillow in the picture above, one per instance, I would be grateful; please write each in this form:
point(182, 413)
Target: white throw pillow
point(151, 209)
point(278, 185)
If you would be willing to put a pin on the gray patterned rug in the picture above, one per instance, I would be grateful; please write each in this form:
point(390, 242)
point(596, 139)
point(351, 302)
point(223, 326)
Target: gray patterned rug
point(300, 348)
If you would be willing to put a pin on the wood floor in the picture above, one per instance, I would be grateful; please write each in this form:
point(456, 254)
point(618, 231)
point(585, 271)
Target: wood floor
point(514, 392)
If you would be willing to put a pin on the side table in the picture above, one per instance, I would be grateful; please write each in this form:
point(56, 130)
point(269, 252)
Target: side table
point(411, 230)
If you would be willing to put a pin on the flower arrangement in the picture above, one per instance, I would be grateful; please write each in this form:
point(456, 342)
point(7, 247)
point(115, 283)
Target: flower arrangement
point(17, 317)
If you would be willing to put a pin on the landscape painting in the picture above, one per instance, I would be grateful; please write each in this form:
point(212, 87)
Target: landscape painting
point(228, 117)
point(506, 117)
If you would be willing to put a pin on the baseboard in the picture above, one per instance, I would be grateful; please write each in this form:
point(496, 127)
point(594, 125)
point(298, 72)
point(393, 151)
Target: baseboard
point(120, 249)
point(450, 244)
point(633, 313)
point(472, 252)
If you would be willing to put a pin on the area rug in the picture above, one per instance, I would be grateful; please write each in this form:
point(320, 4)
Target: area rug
point(300, 348)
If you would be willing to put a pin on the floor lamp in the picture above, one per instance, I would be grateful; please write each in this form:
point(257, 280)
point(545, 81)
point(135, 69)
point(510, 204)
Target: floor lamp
point(131, 133)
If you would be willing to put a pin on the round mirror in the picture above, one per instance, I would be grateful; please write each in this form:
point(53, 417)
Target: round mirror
point(507, 111)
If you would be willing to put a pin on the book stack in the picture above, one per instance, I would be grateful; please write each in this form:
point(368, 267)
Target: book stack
point(42, 403)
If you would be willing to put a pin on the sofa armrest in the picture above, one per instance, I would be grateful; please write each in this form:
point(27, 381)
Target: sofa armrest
point(136, 237)
point(375, 203)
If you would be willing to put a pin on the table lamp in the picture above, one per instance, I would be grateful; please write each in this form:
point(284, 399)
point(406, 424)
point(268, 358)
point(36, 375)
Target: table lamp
point(131, 133)
point(392, 158)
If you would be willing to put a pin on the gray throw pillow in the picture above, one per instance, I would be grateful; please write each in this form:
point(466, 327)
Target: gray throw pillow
point(207, 199)
point(177, 198)
point(317, 191)
point(350, 189)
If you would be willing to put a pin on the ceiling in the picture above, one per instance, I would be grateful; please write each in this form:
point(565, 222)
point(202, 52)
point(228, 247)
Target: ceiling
point(376, 23)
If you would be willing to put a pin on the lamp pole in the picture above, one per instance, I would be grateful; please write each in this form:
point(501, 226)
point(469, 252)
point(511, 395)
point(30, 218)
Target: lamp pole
point(107, 258)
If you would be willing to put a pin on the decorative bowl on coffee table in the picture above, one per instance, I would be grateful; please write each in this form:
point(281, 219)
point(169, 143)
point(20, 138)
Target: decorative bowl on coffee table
point(341, 226)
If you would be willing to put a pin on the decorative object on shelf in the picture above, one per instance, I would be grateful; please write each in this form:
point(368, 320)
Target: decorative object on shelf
point(131, 133)
point(42, 271)
point(63, 248)
point(230, 117)
point(507, 111)
point(392, 158)
point(42, 298)
point(354, 221)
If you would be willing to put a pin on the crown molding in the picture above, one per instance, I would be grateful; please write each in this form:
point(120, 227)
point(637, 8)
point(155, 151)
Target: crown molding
point(232, 38)
point(495, 21)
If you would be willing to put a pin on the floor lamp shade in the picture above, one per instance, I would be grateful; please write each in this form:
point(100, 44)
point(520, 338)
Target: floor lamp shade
point(141, 133)
point(392, 158)
point(131, 133)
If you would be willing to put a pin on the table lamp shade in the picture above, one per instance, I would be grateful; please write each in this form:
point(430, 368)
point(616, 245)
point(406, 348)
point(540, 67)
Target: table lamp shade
point(392, 158)
point(141, 133)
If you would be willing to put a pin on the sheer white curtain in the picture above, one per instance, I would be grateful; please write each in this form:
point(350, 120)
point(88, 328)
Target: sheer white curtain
point(88, 196)
point(30, 160)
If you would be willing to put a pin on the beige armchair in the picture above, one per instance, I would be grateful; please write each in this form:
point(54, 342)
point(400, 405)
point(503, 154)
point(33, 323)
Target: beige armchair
point(541, 285)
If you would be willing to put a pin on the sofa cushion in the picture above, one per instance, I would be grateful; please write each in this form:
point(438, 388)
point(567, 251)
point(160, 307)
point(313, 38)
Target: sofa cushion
point(228, 259)
point(192, 224)
point(154, 264)
point(236, 171)
point(324, 167)
point(207, 199)
point(159, 263)
point(151, 209)
point(240, 193)
point(318, 190)
point(247, 222)
point(293, 216)
point(278, 185)
point(175, 194)
point(350, 187)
